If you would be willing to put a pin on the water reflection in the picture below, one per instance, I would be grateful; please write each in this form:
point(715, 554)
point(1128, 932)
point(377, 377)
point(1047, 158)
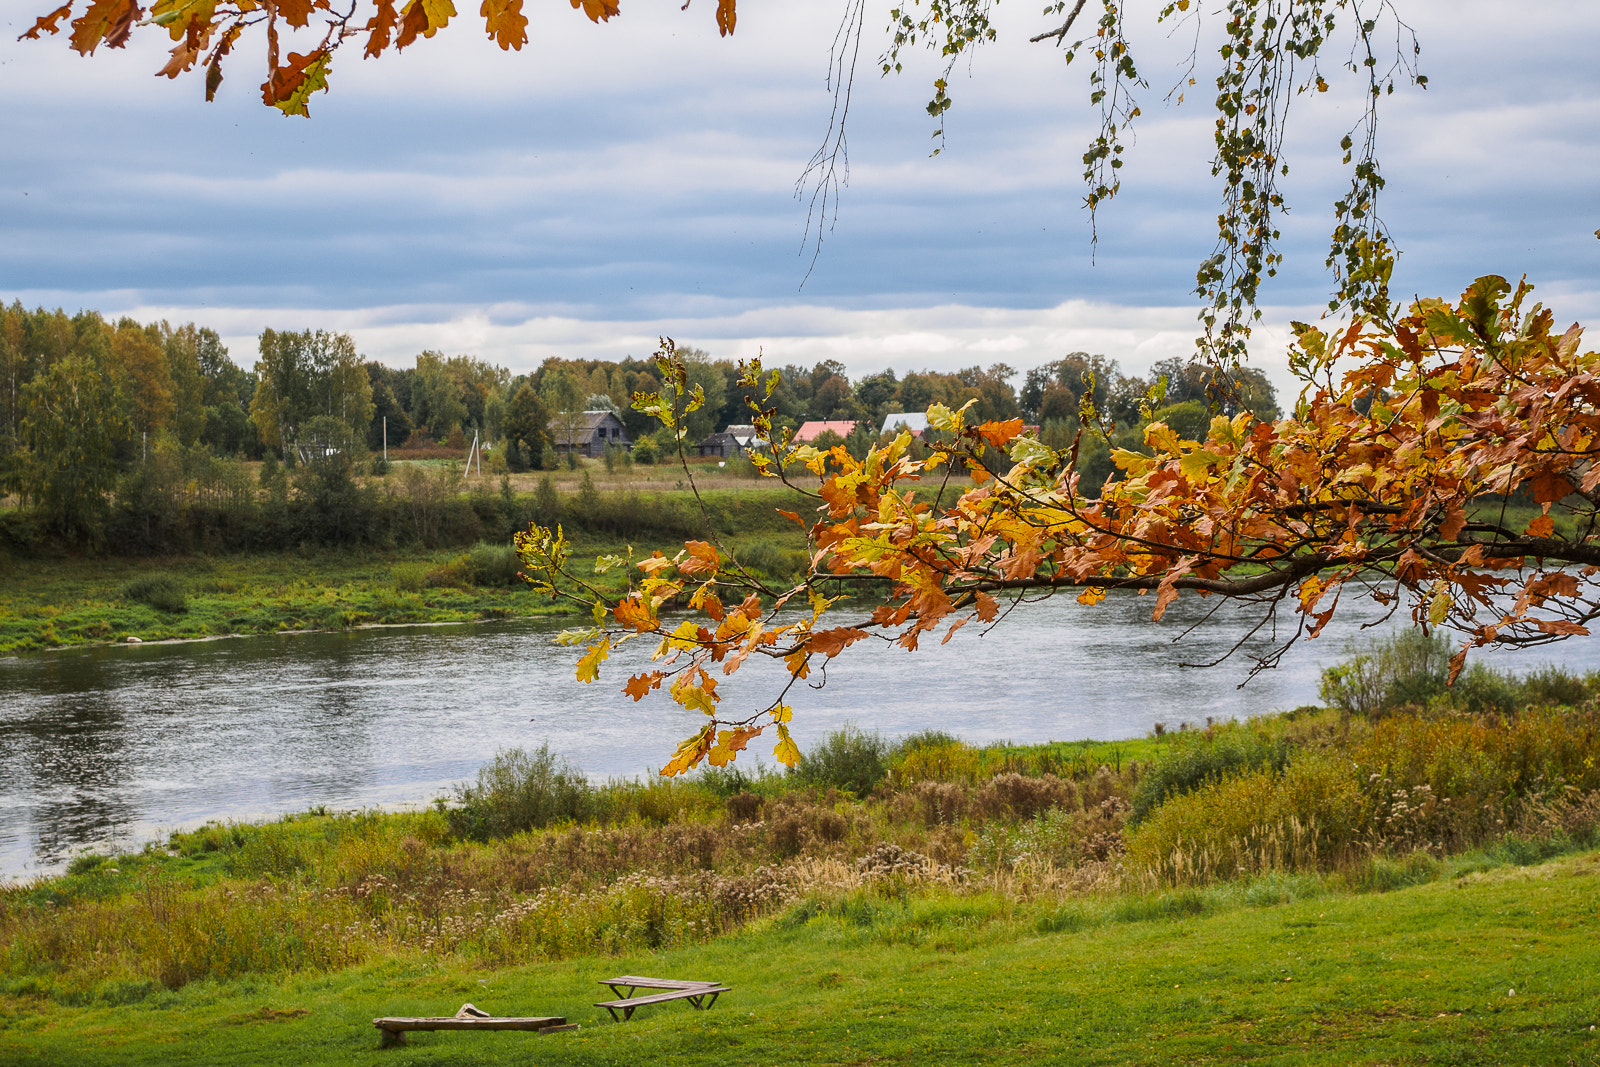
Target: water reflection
point(121, 743)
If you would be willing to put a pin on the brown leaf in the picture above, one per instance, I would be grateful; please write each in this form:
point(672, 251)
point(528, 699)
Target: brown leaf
point(1454, 520)
point(1543, 526)
point(183, 57)
point(110, 21)
point(727, 17)
point(1549, 487)
point(295, 12)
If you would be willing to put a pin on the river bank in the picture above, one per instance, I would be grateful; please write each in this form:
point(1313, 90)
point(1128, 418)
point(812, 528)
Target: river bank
point(926, 899)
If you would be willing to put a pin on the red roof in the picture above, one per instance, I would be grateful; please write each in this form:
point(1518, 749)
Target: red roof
point(810, 431)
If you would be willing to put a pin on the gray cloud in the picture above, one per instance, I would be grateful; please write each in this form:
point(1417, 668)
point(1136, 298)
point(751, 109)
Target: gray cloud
point(643, 172)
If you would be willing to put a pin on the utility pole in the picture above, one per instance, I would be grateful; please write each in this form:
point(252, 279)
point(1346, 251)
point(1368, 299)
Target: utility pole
point(386, 439)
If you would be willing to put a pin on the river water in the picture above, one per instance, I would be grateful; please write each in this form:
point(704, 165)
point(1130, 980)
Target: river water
point(117, 745)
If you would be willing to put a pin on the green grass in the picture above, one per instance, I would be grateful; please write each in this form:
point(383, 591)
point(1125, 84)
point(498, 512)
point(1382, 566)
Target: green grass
point(1423, 975)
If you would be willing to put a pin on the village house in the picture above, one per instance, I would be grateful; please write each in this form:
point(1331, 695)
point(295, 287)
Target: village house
point(735, 440)
point(810, 431)
point(598, 429)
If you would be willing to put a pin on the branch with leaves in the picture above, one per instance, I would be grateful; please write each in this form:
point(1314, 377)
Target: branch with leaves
point(1376, 486)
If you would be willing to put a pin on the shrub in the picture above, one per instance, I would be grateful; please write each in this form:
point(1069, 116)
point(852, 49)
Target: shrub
point(1185, 767)
point(644, 451)
point(1408, 668)
point(519, 790)
point(848, 758)
point(161, 591)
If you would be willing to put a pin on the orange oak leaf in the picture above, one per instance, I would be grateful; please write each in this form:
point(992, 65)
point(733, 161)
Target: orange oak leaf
point(727, 17)
point(640, 684)
point(1543, 526)
point(381, 26)
point(703, 559)
point(656, 562)
point(598, 10)
point(1000, 434)
point(832, 642)
point(791, 516)
point(506, 24)
point(636, 613)
point(48, 23)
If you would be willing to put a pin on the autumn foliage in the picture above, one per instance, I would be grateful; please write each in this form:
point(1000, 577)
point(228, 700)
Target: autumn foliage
point(205, 32)
point(1373, 487)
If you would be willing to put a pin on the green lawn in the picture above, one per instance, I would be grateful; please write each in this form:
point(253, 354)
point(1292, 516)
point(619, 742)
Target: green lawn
point(1498, 966)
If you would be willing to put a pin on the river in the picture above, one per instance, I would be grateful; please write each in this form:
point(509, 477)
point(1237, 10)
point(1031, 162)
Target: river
point(113, 746)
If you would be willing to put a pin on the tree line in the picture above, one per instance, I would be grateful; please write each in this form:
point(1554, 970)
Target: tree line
point(94, 414)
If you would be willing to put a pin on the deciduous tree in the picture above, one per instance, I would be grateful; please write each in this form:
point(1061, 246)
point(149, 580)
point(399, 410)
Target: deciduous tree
point(1389, 480)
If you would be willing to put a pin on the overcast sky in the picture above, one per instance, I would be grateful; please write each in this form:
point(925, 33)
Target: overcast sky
point(612, 183)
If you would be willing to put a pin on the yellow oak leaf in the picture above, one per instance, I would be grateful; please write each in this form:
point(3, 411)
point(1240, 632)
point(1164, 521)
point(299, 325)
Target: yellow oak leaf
point(1092, 595)
point(505, 23)
point(690, 752)
point(598, 10)
point(729, 742)
point(785, 751)
point(589, 665)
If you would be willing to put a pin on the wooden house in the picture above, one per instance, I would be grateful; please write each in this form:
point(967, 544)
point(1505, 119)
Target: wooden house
point(597, 430)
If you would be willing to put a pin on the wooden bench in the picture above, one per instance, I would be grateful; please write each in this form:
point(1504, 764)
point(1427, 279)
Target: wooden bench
point(468, 1018)
point(694, 992)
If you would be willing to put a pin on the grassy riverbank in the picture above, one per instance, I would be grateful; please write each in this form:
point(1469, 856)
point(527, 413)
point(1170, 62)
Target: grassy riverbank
point(1417, 885)
point(72, 600)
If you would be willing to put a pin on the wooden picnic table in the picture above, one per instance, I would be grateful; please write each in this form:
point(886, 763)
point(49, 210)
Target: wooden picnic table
point(694, 992)
point(467, 1018)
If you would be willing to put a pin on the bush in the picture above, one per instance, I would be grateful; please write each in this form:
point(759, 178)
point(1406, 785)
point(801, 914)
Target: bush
point(847, 758)
point(161, 591)
point(517, 791)
point(644, 450)
point(1409, 668)
point(1183, 768)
